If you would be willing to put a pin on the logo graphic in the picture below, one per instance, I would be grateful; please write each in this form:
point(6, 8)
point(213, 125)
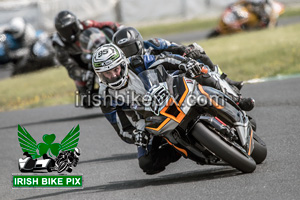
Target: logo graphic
point(55, 156)
point(52, 156)
point(28, 144)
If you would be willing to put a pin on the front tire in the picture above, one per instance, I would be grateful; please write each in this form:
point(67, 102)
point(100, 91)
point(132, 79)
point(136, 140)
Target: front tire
point(252, 122)
point(259, 152)
point(62, 167)
point(214, 33)
point(222, 149)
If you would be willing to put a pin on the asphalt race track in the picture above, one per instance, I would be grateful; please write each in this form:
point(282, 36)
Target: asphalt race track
point(110, 169)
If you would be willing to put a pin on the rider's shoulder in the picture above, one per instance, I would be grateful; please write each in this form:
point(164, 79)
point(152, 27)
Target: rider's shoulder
point(56, 40)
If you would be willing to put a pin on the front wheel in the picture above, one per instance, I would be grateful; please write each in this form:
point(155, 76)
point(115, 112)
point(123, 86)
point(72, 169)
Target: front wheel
point(62, 167)
point(223, 150)
point(259, 152)
point(213, 33)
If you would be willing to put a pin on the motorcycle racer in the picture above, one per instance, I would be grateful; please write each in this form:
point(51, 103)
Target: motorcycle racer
point(119, 77)
point(24, 35)
point(70, 157)
point(263, 9)
point(131, 42)
point(68, 51)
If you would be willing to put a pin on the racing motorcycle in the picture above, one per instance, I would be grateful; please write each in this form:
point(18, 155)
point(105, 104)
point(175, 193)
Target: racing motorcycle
point(40, 54)
point(63, 164)
point(210, 130)
point(237, 18)
point(66, 160)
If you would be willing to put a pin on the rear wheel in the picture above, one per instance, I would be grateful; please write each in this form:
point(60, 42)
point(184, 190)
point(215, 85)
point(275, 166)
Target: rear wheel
point(222, 149)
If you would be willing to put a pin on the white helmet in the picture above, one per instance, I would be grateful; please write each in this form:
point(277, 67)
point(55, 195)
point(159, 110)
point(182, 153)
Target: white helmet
point(77, 152)
point(107, 58)
point(17, 27)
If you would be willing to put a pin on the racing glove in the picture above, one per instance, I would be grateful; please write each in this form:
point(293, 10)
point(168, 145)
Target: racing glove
point(193, 68)
point(194, 51)
point(141, 138)
point(87, 75)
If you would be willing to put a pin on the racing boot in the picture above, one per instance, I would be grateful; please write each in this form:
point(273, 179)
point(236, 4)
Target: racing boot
point(160, 155)
point(246, 104)
point(237, 84)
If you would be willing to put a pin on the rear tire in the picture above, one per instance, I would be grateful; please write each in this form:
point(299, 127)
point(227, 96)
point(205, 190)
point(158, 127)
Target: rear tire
point(259, 152)
point(223, 150)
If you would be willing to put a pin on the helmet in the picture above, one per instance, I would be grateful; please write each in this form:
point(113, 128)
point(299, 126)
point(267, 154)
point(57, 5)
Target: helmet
point(17, 27)
point(111, 66)
point(67, 26)
point(130, 41)
point(76, 152)
point(90, 39)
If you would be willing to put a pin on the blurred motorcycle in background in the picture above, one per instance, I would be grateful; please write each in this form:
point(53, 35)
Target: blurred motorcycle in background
point(40, 53)
point(239, 17)
point(89, 40)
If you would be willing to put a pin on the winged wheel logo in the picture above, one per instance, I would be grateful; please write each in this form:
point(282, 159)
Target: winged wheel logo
point(28, 144)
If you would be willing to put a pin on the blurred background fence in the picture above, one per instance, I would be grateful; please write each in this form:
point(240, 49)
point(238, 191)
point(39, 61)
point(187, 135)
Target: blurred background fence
point(41, 13)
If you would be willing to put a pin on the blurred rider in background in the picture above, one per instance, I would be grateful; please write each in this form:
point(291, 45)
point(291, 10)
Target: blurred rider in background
point(24, 35)
point(67, 46)
point(263, 9)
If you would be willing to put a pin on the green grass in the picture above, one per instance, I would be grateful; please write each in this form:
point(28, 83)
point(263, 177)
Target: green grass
point(194, 24)
point(43, 88)
point(242, 56)
point(257, 54)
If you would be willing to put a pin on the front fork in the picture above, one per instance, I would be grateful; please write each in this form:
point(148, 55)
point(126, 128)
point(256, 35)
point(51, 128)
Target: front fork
point(222, 106)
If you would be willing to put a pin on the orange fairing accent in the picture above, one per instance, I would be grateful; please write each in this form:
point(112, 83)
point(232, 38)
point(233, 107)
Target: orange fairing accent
point(250, 142)
point(207, 95)
point(179, 117)
point(161, 125)
point(181, 114)
point(179, 149)
point(171, 101)
point(184, 94)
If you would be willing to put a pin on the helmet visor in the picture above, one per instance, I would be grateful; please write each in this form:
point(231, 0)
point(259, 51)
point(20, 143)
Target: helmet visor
point(131, 50)
point(70, 31)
